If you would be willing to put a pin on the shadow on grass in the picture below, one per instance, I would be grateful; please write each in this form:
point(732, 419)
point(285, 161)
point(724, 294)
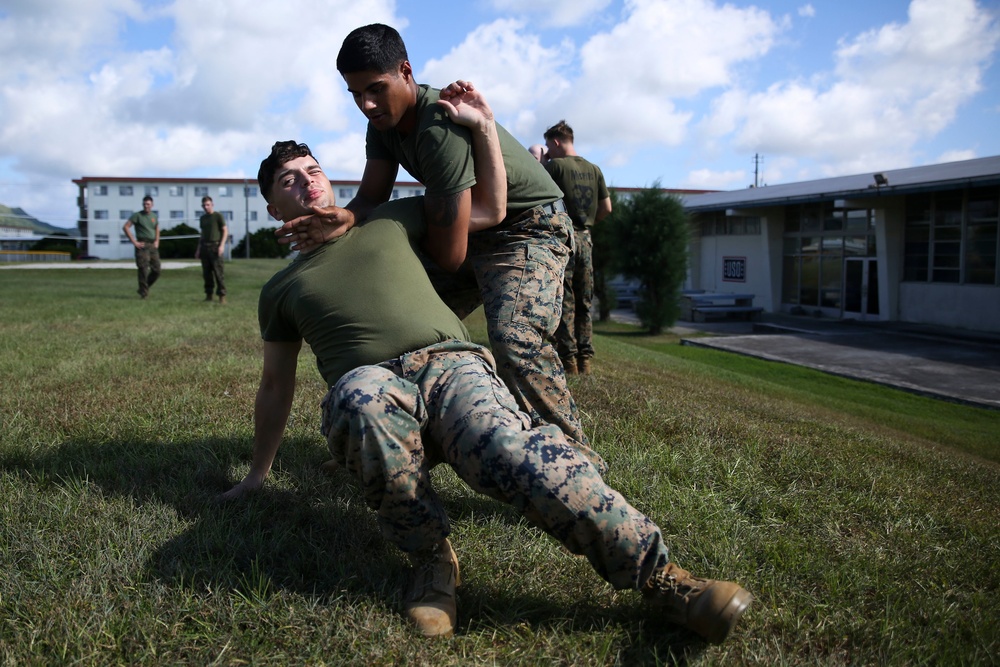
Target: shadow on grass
point(313, 537)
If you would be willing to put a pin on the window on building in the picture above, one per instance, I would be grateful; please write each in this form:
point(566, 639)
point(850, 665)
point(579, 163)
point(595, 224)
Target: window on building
point(395, 194)
point(124, 214)
point(124, 240)
point(125, 190)
point(416, 192)
point(201, 191)
point(946, 238)
point(153, 190)
point(981, 247)
point(345, 193)
point(249, 191)
point(176, 191)
point(718, 223)
point(177, 215)
point(100, 190)
point(818, 239)
point(952, 237)
point(100, 215)
point(253, 216)
point(228, 215)
point(101, 239)
point(225, 191)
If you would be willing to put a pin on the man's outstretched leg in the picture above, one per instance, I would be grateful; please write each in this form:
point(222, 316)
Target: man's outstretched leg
point(492, 446)
point(372, 419)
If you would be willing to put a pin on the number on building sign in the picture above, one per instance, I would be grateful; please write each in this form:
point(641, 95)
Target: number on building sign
point(734, 269)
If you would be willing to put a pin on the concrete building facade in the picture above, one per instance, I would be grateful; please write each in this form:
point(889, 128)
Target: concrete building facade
point(105, 204)
point(914, 245)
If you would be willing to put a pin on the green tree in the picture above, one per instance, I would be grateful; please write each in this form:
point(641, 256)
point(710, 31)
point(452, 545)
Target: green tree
point(171, 248)
point(58, 242)
point(651, 245)
point(263, 244)
point(602, 235)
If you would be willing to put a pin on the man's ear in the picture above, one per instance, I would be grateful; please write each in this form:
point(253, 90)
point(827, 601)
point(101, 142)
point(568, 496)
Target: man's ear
point(406, 70)
point(274, 212)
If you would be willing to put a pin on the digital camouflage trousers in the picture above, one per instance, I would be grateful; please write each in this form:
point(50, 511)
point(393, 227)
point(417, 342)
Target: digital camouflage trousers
point(574, 337)
point(515, 270)
point(388, 425)
point(147, 263)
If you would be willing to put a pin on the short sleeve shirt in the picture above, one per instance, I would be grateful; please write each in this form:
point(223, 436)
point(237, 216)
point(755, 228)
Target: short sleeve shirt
point(145, 225)
point(583, 187)
point(438, 153)
point(361, 298)
point(212, 225)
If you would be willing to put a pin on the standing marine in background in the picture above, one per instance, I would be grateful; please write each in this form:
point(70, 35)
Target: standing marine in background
point(211, 247)
point(587, 202)
point(146, 240)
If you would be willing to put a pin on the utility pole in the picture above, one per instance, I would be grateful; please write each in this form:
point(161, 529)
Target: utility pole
point(757, 160)
point(246, 214)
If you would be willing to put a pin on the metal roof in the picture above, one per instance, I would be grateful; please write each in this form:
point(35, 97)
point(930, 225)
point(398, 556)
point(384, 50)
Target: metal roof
point(949, 175)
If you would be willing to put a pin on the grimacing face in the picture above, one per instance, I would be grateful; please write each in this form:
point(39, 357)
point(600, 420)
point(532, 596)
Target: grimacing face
point(299, 184)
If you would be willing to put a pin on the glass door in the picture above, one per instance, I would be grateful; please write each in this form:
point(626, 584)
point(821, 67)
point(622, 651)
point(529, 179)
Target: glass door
point(861, 287)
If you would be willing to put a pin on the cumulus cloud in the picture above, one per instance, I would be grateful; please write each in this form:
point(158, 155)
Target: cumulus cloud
point(556, 13)
point(118, 87)
point(644, 72)
point(890, 88)
point(509, 64)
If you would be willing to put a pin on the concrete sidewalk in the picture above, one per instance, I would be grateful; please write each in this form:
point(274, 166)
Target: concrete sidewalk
point(955, 365)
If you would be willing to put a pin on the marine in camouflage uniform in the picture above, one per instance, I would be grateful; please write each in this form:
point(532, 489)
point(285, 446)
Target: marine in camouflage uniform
point(146, 239)
point(588, 201)
point(409, 391)
point(514, 269)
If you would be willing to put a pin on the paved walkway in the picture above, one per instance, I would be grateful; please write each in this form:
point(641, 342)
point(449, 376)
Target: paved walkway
point(122, 264)
point(956, 365)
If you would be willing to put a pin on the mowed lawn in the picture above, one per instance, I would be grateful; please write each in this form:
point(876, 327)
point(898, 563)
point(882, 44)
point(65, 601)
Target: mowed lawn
point(864, 520)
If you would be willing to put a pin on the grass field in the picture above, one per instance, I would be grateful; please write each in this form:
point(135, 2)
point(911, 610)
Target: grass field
point(866, 521)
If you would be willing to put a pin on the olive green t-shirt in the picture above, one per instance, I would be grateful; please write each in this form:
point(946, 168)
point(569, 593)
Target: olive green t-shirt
point(438, 153)
point(212, 225)
point(145, 225)
point(361, 298)
point(582, 184)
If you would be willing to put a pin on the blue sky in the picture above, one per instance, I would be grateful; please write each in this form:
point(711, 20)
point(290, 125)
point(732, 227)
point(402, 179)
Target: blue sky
point(680, 92)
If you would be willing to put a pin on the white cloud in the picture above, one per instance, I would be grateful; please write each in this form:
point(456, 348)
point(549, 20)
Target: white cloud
point(892, 88)
point(506, 63)
point(557, 13)
point(706, 179)
point(807, 11)
point(637, 78)
point(209, 92)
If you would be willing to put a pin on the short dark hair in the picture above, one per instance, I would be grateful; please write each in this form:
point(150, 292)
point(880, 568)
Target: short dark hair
point(281, 152)
point(205, 199)
point(375, 47)
point(560, 131)
point(147, 198)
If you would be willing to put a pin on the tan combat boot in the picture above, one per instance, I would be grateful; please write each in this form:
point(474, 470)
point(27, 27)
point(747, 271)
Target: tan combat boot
point(569, 365)
point(222, 300)
point(710, 608)
point(430, 597)
point(583, 365)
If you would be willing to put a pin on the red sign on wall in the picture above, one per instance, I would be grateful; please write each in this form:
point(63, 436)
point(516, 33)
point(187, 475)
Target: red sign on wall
point(734, 269)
